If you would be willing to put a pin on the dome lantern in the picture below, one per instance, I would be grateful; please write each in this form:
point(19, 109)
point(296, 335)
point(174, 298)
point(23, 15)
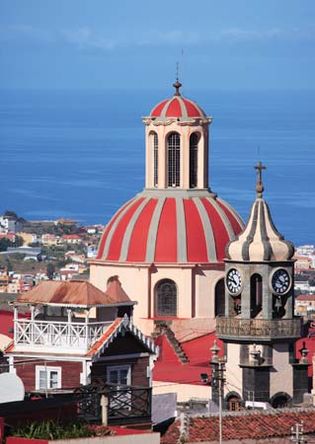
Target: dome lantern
point(177, 144)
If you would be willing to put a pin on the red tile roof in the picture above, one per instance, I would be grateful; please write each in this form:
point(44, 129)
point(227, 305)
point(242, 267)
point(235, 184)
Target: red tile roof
point(169, 368)
point(118, 325)
point(115, 293)
point(252, 425)
point(305, 297)
point(71, 236)
point(105, 337)
point(75, 293)
point(64, 293)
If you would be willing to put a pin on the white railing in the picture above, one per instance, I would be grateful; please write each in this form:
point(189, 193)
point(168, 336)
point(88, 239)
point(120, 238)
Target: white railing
point(65, 335)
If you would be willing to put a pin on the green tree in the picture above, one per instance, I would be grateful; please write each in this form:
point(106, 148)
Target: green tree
point(18, 241)
point(4, 244)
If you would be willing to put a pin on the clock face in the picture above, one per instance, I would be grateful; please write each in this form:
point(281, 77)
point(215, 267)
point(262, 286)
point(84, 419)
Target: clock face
point(234, 281)
point(280, 281)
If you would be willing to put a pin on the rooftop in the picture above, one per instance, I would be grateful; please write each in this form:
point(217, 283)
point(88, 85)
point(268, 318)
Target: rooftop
point(169, 366)
point(305, 297)
point(254, 425)
point(73, 293)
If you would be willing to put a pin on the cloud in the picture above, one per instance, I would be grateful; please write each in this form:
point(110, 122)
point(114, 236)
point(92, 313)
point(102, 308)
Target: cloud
point(239, 34)
point(280, 34)
point(84, 37)
point(173, 37)
point(25, 33)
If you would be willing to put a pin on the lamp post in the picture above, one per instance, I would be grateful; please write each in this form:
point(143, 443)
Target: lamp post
point(218, 380)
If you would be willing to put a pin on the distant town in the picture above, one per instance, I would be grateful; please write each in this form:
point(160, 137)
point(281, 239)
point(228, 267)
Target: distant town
point(37, 250)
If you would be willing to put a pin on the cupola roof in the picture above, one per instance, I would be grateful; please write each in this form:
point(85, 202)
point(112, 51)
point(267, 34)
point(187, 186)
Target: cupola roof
point(260, 240)
point(170, 227)
point(178, 107)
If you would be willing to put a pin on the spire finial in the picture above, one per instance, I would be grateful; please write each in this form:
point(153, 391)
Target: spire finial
point(177, 84)
point(259, 184)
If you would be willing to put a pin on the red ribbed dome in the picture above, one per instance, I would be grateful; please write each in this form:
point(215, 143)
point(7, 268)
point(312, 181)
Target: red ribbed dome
point(157, 228)
point(178, 107)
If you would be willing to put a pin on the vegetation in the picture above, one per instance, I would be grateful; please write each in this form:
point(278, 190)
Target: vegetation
point(56, 430)
point(41, 228)
point(15, 262)
point(5, 243)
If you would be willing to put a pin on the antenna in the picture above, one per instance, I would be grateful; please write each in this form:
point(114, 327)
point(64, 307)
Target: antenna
point(177, 70)
point(258, 151)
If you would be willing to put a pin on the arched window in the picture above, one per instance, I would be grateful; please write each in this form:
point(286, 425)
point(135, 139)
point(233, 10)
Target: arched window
point(173, 160)
point(219, 296)
point(255, 294)
point(193, 160)
point(166, 298)
point(233, 402)
point(280, 400)
point(155, 143)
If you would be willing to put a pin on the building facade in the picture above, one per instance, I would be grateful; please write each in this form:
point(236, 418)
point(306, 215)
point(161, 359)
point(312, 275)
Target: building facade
point(76, 334)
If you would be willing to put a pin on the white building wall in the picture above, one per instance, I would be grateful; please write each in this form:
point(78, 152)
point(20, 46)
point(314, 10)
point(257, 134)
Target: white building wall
point(281, 379)
point(205, 292)
point(134, 281)
point(195, 290)
point(184, 392)
point(234, 373)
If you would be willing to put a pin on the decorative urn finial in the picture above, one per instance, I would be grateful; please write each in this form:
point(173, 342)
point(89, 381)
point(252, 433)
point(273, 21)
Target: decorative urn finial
point(177, 83)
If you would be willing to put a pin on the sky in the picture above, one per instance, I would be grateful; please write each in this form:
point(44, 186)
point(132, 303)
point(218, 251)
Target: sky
point(135, 44)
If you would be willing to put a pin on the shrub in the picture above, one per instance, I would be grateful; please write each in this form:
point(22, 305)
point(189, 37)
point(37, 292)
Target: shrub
point(56, 430)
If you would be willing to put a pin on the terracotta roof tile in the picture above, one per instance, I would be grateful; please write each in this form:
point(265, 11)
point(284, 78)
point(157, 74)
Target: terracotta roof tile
point(105, 337)
point(114, 292)
point(305, 297)
point(72, 293)
point(245, 425)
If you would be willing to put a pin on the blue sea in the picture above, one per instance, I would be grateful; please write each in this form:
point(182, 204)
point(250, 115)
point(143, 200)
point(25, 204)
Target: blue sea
point(80, 154)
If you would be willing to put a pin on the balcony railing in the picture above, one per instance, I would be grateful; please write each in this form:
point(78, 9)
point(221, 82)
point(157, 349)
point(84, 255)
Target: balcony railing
point(261, 329)
point(72, 336)
point(125, 404)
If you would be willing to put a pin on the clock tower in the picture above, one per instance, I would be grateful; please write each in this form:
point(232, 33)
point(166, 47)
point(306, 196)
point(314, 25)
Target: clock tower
point(259, 329)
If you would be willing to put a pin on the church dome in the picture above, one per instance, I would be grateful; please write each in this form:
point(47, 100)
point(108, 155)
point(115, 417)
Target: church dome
point(164, 227)
point(260, 240)
point(176, 219)
point(178, 107)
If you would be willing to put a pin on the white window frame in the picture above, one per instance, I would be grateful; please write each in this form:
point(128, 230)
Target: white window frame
point(119, 368)
point(115, 401)
point(47, 370)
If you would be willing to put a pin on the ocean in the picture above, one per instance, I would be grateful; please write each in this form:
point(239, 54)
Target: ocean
point(80, 154)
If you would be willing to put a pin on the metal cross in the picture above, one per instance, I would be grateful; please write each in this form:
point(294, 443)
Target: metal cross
point(259, 185)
